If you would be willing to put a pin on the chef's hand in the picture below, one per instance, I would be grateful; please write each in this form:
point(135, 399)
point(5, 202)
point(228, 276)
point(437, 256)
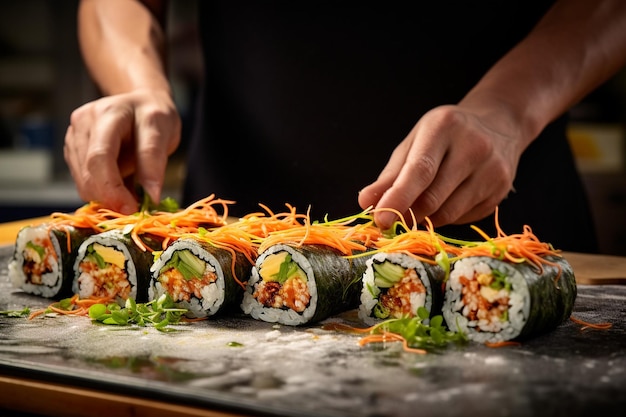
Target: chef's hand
point(121, 140)
point(455, 166)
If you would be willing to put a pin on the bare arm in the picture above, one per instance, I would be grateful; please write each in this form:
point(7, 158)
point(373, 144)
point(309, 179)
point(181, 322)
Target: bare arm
point(577, 46)
point(459, 161)
point(125, 137)
point(123, 44)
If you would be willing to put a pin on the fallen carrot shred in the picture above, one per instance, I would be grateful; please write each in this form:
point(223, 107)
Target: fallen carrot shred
point(394, 337)
point(503, 343)
point(385, 336)
point(78, 306)
point(345, 328)
point(587, 325)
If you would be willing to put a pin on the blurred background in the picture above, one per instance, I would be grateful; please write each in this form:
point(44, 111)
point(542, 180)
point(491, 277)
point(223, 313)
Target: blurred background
point(42, 79)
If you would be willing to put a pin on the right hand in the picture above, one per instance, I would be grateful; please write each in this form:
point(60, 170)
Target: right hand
point(117, 141)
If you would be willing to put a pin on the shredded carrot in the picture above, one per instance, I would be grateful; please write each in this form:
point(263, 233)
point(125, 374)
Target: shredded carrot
point(393, 337)
point(346, 328)
point(156, 224)
point(516, 248)
point(383, 337)
point(504, 343)
point(344, 235)
point(231, 239)
point(194, 320)
point(261, 225)
point(77, 306)
point(423, 245)
point(587, 325)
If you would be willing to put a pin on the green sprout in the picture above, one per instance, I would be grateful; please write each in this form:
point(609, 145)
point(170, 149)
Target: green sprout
point(158, 313)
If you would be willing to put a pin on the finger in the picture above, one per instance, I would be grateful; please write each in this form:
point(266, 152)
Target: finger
point(102, 173)
point(471, 201)
point(158, 135)
point(371, 194)
point(415, 176)
point(459, 170)
point(76, 143)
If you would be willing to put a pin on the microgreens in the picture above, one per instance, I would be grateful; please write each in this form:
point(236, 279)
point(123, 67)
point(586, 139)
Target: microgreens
point(158, 313)
point(168, 204)
point(15, 313)
point(418, 334)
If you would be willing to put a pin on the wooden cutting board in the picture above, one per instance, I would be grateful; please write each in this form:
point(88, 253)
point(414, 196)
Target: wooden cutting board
point(8, 231)
point(588, 268)
point(597, 269)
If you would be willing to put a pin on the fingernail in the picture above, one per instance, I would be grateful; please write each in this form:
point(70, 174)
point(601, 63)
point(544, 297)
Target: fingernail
point(386, 219)
point(153, 189)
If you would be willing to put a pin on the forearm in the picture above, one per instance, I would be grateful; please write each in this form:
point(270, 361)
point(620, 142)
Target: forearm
point(577, 46)
point(123, 43)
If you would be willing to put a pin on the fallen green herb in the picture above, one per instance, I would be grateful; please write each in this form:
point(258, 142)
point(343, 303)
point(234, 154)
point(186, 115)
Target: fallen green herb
point(15, 313)
point(419, 335)
point(158, 313)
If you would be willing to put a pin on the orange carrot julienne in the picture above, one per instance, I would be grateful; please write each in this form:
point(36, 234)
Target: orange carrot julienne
point(385, 336)
point(394, 337)
point(158, 224)
point(423, 245)
point(79, 307)
point(503, 343)
point(587, 325)
point(340, 235)
point(346, 328)
point(516, 248)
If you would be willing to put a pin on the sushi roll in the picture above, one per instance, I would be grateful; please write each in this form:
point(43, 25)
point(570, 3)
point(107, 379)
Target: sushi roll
point(111, 265)
point(199, 277)
point(493, 300)
point(395, 285)
point(43, 259)
point(298, 285)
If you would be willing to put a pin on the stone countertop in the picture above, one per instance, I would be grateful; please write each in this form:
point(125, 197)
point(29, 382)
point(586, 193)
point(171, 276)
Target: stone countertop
point(245, 366)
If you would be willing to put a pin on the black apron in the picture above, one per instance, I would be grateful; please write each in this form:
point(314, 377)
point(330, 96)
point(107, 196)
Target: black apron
point(304, 101)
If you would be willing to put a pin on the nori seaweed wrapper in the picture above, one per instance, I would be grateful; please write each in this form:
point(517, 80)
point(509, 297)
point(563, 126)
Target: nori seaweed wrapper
point(338, 279)
point(233, 292)
point(77, 237)
point(551, 298)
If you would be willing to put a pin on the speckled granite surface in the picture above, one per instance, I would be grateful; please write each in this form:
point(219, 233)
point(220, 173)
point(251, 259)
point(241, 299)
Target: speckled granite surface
point(284, 371)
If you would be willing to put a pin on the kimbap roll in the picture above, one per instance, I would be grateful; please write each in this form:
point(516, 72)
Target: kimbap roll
point(493, 300)
point(111, 265)
point(43, 258)
point(395, 285)
point(199, 277)
point(298, 285)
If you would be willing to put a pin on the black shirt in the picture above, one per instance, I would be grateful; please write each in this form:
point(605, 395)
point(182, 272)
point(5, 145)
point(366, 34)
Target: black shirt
point(304, 101)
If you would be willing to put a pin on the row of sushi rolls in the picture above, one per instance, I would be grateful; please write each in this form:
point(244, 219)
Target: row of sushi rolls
point(284, 267)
